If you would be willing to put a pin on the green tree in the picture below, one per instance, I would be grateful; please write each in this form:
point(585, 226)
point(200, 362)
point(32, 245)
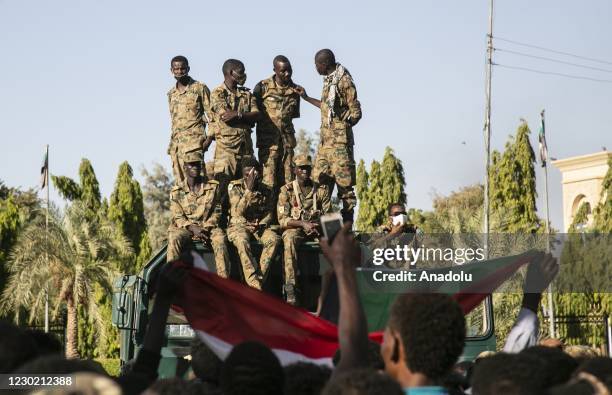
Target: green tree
point(602, 216)
point(361, 190)
point(87, 190)
point(69, 261)
point(156, 192)
point(305, 143)
point(126, 210)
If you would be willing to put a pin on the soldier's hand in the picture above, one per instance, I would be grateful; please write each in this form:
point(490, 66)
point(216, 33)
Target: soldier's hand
point(310, 228)
point(301, 91)
point(229, 116)
point(396, 229)
point(197, 232)
point(250, 179)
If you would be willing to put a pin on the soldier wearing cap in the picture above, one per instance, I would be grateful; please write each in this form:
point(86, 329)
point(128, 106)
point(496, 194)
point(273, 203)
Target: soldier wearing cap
point(234, 112)
point(189, 102)
point(196, 210)
point(251, 215)
point(279, 103)
point(340, 111)
point(300, 204)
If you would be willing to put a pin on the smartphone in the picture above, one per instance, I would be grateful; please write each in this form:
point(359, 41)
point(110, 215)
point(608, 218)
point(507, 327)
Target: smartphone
point(331, 225)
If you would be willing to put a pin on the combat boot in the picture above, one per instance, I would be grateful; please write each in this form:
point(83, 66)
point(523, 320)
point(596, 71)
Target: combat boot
point(290, 294)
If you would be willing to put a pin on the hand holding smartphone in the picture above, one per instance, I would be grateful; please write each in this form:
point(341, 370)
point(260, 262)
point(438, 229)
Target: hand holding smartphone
point(331, 225)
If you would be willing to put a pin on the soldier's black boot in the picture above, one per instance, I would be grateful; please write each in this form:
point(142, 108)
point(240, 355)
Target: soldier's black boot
point(290, 294)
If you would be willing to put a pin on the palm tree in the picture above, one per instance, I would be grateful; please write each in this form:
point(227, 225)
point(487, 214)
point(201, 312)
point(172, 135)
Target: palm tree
point(78, 253)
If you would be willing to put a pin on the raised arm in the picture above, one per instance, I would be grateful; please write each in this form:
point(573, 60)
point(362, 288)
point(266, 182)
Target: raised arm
point(304, 95)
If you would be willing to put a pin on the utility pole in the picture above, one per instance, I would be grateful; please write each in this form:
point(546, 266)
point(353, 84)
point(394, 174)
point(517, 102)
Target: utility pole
point(487, 129)
point(47, 244)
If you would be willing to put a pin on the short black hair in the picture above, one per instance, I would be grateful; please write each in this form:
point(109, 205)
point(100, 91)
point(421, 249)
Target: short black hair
point(304, 378)
point(554, 366)
point(251, 368)
point(231, 64)
point(57, 364)
point(432, 331)
point(179, 58)
point(206, 365)
point(395, 204)
point(16, 347)
point(325, 56)
point(600, 367)
point(581, 387)
point(170, 386)
point(507, 374)
point(280, 59)
point(46, 343)
point(374, 361)
point(250, 162)
point(363, 382)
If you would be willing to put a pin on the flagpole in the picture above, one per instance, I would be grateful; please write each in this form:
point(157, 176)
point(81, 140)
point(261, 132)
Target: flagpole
point(487, 130)
point(551, 308)
point(47, 243)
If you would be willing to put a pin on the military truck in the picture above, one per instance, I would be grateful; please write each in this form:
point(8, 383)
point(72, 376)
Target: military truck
point(132, 304)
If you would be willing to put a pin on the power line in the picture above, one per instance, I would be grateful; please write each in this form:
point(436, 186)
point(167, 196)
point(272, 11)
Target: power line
point(577, 77)
point(552, 60)
point(554, 51)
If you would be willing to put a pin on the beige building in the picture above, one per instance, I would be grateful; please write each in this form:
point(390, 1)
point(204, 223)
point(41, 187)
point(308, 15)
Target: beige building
point(582, 178)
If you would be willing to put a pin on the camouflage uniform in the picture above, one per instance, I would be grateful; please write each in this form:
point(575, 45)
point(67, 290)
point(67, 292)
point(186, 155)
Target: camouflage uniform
point(340, 110)
point(202, 208)
point(252, 207)
point(295, 204)
point(188, 112)
point(275, 131)
point(234, 142)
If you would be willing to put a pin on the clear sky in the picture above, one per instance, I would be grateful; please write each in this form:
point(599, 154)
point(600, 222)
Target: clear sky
point(90, 78)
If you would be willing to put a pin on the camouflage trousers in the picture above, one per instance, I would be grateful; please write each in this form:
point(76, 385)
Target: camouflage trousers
point(277, 163)
point(180, 239)
point(335, 164)
point(240, 237)
point(180, 144)
point(292, 240)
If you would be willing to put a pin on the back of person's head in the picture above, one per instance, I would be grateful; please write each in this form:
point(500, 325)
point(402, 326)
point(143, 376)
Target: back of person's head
point(252, 368)
point(16, 347)
point(57, 364)
point(85, 383)
point(46, 343)
point(580, 387)
point(600, 367)
point(459, 377)
point(205, 364)
point(169, 386)
point(303, 378)
point(431, 332)
point(507, 374)
point(375, 360)
point(363, 382)
point(580, 353)
point(554, 366)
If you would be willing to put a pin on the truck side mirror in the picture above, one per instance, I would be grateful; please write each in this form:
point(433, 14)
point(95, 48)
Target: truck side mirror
point(123, 302)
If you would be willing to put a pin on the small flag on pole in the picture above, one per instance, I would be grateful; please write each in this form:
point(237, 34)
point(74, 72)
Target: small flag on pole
point(542, 140)
point(44, 170)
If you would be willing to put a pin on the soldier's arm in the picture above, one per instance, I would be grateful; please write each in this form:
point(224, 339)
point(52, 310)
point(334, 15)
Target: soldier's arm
point(283, 209)
point(349, 92)
point(239, 201)
point(267, 219)
point(253, 115)
point(258, 94)
point(217, 210)
point(315, 102)
point(178, 215)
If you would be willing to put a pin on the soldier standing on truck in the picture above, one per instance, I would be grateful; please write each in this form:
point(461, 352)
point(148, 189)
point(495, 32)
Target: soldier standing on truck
point(234, 113)
point(189, 102)
point(340, 111)
point(279, 102)
point(196, 211)
point(252, 206)
point(300, 204)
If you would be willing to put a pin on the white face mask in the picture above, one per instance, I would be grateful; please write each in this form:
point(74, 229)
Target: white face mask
point(400, 219)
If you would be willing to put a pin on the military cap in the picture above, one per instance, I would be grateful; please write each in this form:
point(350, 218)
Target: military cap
point(193, 156)
point(302, 160)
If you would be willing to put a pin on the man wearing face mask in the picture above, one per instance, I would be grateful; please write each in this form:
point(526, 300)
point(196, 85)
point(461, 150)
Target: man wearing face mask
point(189, 102)
point(279, 102)
point(252, 206)
point(340, 111)
point(395, 231)
point(235, 112)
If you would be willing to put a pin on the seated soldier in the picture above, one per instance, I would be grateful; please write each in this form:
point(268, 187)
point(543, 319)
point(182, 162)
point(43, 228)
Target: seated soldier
point(251, 213)
point(300, 204)
point(196, 210)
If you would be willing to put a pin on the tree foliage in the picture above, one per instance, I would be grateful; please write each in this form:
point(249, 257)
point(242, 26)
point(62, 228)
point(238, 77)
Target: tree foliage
point(126, 210)
point(305, 143)
point(376, 190)
point(602, 215)
point(156, 193)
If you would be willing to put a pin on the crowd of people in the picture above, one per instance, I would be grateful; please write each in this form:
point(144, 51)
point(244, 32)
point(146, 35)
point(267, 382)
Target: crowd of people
point(422, 343)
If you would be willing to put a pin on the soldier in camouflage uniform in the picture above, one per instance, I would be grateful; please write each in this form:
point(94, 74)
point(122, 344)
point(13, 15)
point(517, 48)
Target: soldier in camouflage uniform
point(196, 210)
point(252, 205)
point(340, 111)
point(234, 112)
point(300, 204)
point(279, 103)
point(189, 102)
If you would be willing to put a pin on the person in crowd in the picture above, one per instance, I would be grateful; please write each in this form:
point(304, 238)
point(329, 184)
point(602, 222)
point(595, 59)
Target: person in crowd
point(205, 364)
point(303, 378)
point(362, 381)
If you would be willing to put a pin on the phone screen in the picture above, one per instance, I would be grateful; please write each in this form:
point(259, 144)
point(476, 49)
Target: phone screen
point(331, 226)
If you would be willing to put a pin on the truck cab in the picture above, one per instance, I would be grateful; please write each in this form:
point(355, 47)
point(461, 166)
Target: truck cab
point(132, 303)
